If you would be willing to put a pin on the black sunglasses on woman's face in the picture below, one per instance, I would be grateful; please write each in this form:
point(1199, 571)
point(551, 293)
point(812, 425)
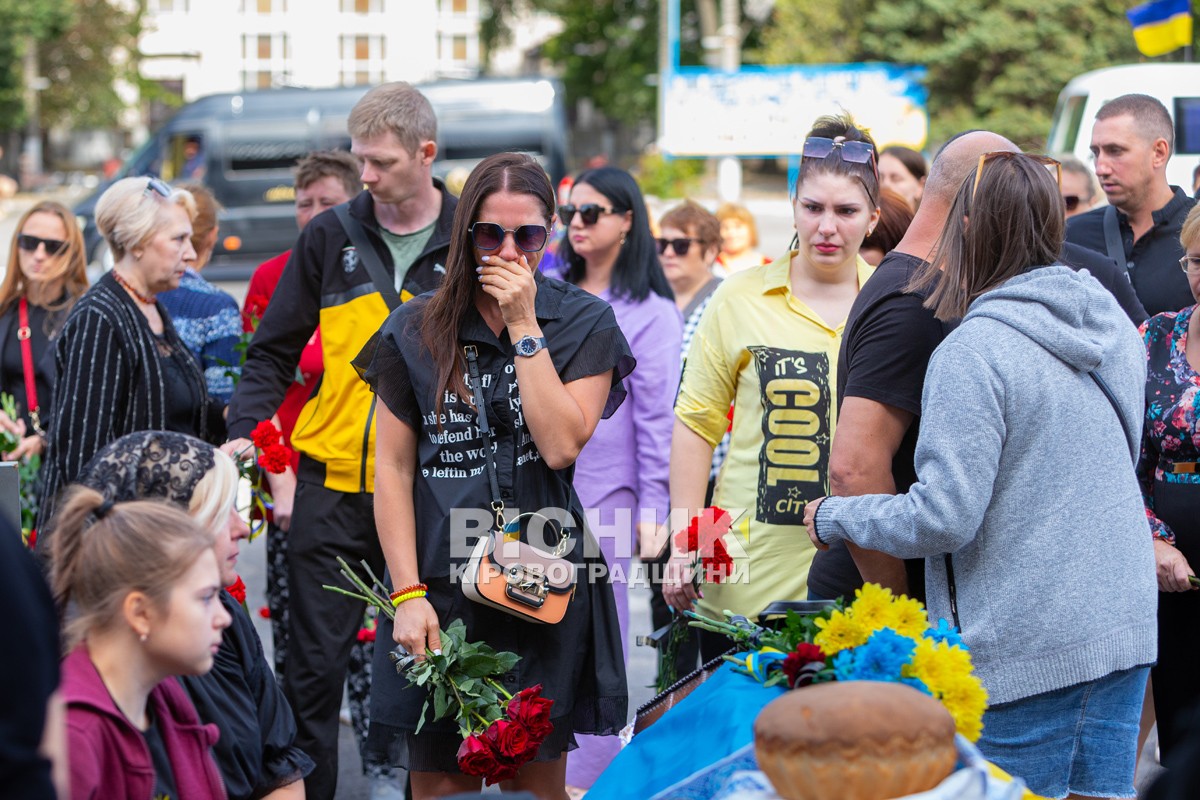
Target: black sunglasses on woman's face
point(490, 236)
point(30, 244)
point(680, 246)
point(588, 212)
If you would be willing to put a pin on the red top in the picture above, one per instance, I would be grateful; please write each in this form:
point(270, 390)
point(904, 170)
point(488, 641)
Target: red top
point(258, 296)
point(109, 757)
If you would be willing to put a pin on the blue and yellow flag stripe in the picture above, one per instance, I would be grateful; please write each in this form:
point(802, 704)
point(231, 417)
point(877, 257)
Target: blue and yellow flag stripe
point(1161, 26)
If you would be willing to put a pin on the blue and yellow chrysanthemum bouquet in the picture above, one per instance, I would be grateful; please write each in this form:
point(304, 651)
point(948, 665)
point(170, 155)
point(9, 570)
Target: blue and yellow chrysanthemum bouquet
point(878, 637)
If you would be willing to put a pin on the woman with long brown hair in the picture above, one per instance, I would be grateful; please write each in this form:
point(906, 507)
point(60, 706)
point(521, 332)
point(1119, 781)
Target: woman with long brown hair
point(550, 358)
point(47, 273)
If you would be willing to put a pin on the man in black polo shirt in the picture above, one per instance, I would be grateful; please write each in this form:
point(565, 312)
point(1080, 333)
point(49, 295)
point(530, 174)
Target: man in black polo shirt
point(888, 341)
point(1132, 141)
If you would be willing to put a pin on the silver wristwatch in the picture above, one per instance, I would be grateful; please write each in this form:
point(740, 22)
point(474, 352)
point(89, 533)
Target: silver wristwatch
point(529, 345)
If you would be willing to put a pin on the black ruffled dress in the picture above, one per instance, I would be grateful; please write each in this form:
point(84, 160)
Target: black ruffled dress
point(579, 662)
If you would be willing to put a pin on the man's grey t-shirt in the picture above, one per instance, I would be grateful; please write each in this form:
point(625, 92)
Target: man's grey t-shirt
point(406, 248)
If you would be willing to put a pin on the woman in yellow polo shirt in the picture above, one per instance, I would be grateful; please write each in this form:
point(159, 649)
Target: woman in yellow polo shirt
point(768, 343)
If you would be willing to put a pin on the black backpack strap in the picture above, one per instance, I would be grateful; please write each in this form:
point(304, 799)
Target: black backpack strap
point(367, 255)
point(1112, 238)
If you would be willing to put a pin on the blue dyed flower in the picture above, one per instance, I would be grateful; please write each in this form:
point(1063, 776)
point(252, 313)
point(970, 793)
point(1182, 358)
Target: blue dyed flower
point(880, 659)
point(945, 632)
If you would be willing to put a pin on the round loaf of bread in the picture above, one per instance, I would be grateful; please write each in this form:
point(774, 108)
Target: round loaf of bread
point(854, 740)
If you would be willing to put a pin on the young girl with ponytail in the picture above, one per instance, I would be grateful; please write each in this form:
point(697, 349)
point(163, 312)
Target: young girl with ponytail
point(140, 584)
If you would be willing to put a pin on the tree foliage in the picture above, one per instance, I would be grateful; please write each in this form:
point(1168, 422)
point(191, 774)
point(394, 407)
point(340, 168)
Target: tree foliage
point(84, 63)
point(995, 64)
point(23, 22)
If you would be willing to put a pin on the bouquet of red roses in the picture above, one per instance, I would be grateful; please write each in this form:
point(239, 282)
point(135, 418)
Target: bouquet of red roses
point(501, 731)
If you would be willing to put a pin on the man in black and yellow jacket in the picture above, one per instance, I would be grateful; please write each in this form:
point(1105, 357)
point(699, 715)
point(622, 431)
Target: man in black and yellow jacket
point(405, 216)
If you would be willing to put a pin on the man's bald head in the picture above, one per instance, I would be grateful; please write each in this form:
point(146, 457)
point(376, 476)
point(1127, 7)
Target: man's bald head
point(957, 158)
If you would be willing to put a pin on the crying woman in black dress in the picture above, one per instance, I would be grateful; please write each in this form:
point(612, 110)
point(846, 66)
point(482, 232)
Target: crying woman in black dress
point(544, 405)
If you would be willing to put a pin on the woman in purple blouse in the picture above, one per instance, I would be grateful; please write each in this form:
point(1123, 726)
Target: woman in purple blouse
point(621, 475)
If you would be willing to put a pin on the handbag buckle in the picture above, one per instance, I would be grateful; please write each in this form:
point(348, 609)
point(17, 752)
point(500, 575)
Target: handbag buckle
point(526, 585)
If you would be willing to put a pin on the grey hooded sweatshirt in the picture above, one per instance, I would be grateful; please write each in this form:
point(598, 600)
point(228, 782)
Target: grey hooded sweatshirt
point(1025, 476)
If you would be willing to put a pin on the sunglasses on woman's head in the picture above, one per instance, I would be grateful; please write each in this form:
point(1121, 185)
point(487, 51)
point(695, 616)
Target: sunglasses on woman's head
point(30, 244)
point(1008, 155)
point(680, 246)
point(157, 186)
point(490, 236)
point(852, 151)
point(588, 212)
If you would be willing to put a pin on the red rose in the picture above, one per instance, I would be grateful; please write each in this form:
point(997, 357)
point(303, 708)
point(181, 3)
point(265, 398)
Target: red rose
point(719, 565)
point(32, 538)
point(475, 757)
point(238, 590)
point(256, 306)
point(265, 434)
point(506, 766)
point(275, 458)
point(513, 741)
point(798, 659)
point(532, 710)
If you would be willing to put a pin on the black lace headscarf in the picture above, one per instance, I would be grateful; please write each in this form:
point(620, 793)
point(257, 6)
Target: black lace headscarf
point(150, 465)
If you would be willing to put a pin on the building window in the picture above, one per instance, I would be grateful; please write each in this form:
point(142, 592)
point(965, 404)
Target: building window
point(458, 7)
point(458, 48)
point(362, 59)
point(362, 6)
point(264, 6)
point(265, 58)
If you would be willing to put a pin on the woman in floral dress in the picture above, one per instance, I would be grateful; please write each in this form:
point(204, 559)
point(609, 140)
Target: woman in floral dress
point(1169, 471)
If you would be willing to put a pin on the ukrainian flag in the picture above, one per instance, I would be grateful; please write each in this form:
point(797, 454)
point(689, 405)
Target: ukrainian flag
point(1161, 26)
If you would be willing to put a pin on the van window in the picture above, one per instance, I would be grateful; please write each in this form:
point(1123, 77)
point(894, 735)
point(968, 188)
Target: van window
point(1187, 125)
point(256, 149)
point(1067, 121)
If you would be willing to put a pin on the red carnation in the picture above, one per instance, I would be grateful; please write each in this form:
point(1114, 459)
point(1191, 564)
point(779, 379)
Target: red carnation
point(238, 590)
point(719, 565)
point(32, 538)
point(264, 612)
point(366, 634)
point(704, 531)
point(265, 435)
point(798, 659)
point(275, 458)
point(532, 710)
point(256, 306)
point(475, 757)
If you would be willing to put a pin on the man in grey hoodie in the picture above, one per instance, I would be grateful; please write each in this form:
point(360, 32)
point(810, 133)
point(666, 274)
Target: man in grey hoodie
point(1025, 477)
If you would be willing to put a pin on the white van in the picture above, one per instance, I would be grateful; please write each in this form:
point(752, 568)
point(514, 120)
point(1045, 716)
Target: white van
point(1176, 85)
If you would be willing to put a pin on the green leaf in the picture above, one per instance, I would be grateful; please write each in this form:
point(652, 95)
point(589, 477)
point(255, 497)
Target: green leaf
point(441, 703)
point(421, 719)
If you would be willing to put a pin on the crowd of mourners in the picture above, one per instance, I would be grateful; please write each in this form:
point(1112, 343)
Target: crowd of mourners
point(968, 381)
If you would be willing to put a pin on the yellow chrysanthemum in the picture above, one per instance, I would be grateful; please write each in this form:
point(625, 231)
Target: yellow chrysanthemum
point(872, 608)
point(907, 617)
point(937, 663)
point(839, 632)
point(966, 700)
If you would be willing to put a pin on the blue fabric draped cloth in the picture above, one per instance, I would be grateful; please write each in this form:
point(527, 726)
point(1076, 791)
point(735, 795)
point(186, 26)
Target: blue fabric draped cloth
point(710, 724)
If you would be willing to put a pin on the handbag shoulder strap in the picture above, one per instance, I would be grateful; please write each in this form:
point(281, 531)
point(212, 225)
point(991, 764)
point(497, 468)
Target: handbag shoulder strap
point(366, 253)
point(489, 434)
point(31, 398)
point(1112, 399)
point(1112, 238)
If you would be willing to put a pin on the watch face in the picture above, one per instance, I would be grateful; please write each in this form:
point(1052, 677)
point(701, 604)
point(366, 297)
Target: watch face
point(527, 346)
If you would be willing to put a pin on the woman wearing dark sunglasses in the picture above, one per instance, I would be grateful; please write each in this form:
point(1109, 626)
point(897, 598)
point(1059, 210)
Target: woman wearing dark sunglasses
point(621, 475)
point(550, 360)
point(46, 274)
point(122, 367)
point(768, 344)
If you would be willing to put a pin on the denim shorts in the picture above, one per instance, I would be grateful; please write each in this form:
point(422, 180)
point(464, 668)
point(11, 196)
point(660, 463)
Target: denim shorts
point(1081, 739)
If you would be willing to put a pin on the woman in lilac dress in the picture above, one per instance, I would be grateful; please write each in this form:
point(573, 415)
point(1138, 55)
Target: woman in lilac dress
point(621, 475)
